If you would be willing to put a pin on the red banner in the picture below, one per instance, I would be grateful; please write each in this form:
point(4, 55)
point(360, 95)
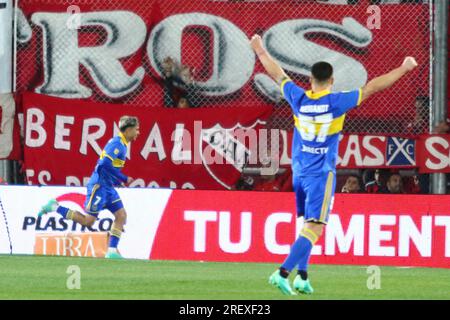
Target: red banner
point(260, 227)
point(427, 153)
point(434, 153)
point(143, 34)
point(202, 148)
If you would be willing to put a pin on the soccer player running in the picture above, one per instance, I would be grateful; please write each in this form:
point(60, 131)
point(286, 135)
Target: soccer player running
point(319, 118)
point(100, 189)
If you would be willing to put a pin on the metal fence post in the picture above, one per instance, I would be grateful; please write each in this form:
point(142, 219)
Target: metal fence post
point(439, 106)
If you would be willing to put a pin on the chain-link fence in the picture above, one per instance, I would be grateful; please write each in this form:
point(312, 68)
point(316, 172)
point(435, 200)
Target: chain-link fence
point(196, 53)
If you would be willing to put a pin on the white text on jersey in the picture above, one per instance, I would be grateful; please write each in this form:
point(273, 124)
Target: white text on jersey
point(314, 150)
point(314, 108)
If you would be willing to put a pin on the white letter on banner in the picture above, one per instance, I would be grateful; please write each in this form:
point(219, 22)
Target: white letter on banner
point(126, 33)
point(335, 235)
point(408, 231)
point(154, 143)
point(229, 74)
point(73, 181)
point(270, 232)
point(376, 235)
point(44, 177)
point(31, 126)
point(444, 221)
point(200, 219)
point(352, 149)
point(288, 43)
point(444, 158)
point(91, 138)
point(225, 242)
point(378, 160)
point(61, 132)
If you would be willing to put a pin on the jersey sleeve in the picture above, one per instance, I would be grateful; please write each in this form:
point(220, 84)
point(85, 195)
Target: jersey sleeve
point(114, 152)
point(348, 100)
point(112, 159)
point(291, 92)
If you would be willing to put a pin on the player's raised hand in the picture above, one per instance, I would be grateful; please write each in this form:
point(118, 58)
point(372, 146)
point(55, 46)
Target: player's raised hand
point(409, 63)
point(256, 43)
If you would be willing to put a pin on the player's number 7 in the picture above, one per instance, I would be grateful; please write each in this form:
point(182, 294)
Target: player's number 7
point(97, 200)
point(308, 127)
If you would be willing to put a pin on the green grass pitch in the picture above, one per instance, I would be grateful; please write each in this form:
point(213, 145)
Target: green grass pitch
point(38, 277)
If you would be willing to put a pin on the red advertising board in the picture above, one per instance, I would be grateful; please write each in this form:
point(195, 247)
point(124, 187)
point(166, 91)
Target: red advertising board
point(238, 226)
point(402, 230)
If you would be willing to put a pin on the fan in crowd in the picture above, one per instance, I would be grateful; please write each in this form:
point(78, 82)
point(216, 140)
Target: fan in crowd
point(352, 185)
point(180, 89)
point(378, 184)
point(420, 123)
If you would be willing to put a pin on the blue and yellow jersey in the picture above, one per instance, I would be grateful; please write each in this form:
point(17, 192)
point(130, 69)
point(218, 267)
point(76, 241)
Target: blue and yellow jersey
point(112, 159)
point(319, 119)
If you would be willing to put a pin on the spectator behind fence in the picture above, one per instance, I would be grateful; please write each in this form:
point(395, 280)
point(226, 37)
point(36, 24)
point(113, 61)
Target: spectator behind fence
point(281, 182)
point(179, 85)
point(420, 123)
point(352, 185)
point(378, 185)
point(417, 184)
point(190, 88)
point(394, 184)
point(169, 71)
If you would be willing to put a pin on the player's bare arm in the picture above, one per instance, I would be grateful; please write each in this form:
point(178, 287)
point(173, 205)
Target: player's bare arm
point(272, 67)
point(387, 80)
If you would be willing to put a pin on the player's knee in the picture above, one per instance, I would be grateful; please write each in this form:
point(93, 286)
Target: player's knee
point(121, 216)
point(319, 232)
point(316, 228)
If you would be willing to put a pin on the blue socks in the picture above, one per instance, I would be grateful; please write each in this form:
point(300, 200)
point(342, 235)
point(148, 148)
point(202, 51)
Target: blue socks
point(114, 238)
point(63, 211)
point(300, 251)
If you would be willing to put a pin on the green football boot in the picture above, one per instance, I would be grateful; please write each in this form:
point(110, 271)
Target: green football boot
point(49, 207)
point(281, 283)
point(303, 286)
point(111, 254)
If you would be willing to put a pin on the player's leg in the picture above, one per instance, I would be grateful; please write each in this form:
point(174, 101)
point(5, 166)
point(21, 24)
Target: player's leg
point(69, 214)
point(115, 205)
point(280, 277)
point(316, 217)
point(309, 235)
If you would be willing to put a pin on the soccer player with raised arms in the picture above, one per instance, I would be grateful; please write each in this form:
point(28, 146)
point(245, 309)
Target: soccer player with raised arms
point(319, 117)
point(100, 189)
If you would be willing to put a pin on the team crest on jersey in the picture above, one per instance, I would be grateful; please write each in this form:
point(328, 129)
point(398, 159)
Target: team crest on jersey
point(116, 151)
point(225, 151)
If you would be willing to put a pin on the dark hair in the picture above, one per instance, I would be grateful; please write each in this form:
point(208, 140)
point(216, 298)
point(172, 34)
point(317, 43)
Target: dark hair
point(358, 178)
point(322, 71)
point(395, 173)
point(127, 122)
